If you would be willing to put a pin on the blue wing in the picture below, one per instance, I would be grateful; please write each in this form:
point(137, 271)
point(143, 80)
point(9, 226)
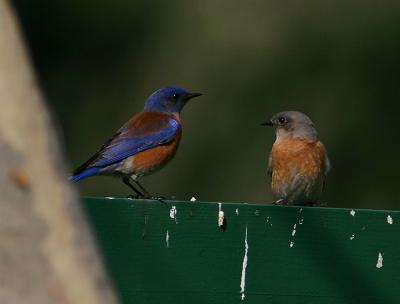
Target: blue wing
point(128, 141)
point(123, 147)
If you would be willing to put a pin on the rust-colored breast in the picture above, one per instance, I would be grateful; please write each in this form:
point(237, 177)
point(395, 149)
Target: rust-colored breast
point(153, 159)
point(298, 165)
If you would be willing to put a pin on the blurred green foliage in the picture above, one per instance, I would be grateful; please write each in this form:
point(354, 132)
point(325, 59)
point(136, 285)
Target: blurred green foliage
point(337, 61)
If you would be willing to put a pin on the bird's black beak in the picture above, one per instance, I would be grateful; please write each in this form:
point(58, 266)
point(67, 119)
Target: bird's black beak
point(192, 95)
point(267, 123)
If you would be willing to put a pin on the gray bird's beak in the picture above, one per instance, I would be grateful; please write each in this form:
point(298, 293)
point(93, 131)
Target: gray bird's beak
point(192, 95)
point(267, 123)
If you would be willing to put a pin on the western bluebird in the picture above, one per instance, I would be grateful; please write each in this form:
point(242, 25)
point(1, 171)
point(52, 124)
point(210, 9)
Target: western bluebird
point(144, 144)
point(298, 162)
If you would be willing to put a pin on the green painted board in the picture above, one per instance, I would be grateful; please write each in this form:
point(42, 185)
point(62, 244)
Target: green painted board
point(294, 255)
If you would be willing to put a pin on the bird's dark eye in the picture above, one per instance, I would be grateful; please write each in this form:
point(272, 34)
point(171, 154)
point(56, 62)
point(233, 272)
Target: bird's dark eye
point(175, 96)
point(282, 120)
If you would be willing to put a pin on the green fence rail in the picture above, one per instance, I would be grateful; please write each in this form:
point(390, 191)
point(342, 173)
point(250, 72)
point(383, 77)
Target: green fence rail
point(176, 252)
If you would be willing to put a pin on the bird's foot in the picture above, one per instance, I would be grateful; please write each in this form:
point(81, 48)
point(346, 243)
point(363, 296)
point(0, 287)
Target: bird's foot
point(158, 198)
point(137, 196)
point(148, 196)
point(279, 202)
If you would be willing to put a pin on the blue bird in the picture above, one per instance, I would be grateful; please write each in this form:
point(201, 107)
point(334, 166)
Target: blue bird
point(143, 145)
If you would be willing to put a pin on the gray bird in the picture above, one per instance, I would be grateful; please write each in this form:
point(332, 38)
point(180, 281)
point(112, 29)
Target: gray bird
point(298, 162)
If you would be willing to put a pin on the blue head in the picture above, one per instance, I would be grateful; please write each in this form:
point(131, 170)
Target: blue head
point(168, 100)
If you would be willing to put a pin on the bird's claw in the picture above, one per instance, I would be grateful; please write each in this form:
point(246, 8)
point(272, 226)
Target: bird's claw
point(279, 202)
point(158, 198)
point(152, 197)
point(131, 196)
point(147, 196)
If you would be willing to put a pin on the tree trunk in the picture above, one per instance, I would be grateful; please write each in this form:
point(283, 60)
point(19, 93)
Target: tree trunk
point(47, 254)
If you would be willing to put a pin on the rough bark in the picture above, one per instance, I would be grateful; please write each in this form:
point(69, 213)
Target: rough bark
point(47, 254)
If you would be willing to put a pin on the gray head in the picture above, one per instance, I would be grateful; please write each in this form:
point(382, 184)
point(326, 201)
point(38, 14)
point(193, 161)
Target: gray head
point(292, 124)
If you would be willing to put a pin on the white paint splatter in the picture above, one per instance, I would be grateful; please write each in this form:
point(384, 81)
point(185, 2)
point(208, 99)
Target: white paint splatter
point(389, 220)
point(244, 266)
point(237, 211)
point(291, 244)
point(379, 262)
point(193, 199)
point(352, 212)
point(173, 212)
point(221, 216)
point(109, 197)
point(294, 229)
point(301, 221)
point(352, 237)
point(167, 239)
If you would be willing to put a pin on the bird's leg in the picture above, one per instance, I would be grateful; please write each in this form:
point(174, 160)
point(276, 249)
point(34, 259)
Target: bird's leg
point(126, 179)
point(147, 194)
point(144, 191)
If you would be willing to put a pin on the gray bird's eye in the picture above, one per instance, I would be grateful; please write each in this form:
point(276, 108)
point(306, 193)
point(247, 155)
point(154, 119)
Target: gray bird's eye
point(282, 120)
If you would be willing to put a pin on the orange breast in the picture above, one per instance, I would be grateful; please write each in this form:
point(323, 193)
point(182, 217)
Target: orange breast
point(151, 160)
point(298, 166)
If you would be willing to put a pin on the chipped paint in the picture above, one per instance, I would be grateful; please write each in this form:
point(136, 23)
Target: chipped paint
point(294, 229)
point(389, 220)
point(193, 199)
point(172, 212)
point(237, 211)
point(301, 221)
point(379, 262)
point(291, 244)
point(352, 237)
point(167, 238)
point(268, 221)
point(352, 213)
point(221, 215)
point(244, 267)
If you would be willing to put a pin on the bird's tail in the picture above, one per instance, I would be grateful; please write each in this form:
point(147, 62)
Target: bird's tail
point(83, 174)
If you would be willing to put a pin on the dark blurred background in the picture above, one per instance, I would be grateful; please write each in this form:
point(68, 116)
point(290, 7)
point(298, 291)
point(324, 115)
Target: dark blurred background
point(337, 61)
